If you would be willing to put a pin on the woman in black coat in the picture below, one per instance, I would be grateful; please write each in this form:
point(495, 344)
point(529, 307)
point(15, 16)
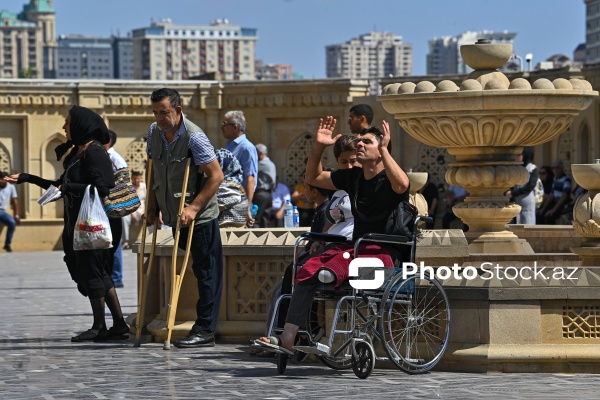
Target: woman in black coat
point(87, 164)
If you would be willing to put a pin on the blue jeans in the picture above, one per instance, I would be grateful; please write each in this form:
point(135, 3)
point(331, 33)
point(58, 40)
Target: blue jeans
point(117, 272)
point(207, 264)
point(11, 225)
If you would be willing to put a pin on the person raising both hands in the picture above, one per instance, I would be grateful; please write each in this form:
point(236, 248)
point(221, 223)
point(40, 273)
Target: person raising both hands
point(375, 189)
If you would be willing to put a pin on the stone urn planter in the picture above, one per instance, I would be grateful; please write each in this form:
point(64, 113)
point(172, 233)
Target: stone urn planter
point(586, 212)
point(484, 123)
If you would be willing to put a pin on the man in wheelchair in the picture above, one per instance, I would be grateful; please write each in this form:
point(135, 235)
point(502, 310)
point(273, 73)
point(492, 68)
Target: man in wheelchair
point(375, 190)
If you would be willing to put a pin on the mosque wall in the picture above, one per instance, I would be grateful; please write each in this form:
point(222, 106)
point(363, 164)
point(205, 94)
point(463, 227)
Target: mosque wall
point(282, 115)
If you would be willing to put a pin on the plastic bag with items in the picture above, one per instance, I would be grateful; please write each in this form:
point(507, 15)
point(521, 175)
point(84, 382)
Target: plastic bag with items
point(92, 230)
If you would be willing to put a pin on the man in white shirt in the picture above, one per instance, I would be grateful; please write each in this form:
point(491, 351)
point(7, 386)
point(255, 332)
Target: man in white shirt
point(8, 195)
point(118, 163)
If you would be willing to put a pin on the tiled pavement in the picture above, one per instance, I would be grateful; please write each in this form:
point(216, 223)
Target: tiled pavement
point(40, 310)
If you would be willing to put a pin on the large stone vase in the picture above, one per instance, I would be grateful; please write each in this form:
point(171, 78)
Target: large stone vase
point(484, 123)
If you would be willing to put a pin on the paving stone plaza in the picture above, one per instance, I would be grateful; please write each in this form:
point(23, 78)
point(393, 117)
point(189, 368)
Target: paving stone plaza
point(40, 310)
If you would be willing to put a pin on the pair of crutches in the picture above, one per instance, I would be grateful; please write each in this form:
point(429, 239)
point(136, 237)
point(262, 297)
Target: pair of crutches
point(144, 271)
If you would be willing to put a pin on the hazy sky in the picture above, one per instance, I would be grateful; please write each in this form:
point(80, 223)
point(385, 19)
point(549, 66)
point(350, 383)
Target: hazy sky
point(297, 31)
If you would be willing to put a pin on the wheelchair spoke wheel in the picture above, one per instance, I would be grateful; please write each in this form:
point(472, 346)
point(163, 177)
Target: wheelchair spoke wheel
point(415, 323)
point(282, 360)
point(363, 362)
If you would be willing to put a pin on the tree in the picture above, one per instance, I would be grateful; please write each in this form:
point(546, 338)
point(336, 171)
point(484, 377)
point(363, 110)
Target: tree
point(28, 73)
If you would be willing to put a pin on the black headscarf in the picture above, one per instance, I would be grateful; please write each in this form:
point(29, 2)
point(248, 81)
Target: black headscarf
point(527, 155)
point(85, 125)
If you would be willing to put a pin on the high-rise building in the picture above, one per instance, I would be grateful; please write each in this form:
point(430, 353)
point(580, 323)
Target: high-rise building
point(123, 57)
point(592, 31)
point(84, 57)
point(371, 55)
point(444, 53)
point(168, 51)
point(28, 41)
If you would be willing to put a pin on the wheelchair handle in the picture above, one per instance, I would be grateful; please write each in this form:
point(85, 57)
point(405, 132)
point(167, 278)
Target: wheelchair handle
point(324, 237)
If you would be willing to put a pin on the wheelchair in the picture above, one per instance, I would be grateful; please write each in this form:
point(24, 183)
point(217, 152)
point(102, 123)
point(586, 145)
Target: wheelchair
point(407, 319)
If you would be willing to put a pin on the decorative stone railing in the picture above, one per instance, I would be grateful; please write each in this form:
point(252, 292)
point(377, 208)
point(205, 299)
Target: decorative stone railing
point(254, 261)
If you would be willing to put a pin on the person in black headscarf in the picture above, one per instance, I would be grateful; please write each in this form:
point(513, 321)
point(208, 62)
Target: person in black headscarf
point(87, 163)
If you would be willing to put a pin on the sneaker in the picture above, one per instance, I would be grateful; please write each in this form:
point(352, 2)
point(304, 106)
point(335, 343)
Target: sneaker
point(7, 248)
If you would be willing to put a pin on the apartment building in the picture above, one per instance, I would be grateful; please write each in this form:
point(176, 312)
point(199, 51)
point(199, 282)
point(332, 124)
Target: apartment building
point(165, 51)
point(372, 55)
point(28, 41)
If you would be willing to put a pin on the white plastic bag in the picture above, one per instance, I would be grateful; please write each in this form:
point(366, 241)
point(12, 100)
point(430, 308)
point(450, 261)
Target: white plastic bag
point(92, 230)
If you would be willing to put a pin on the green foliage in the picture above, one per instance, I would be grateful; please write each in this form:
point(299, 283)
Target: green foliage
point(28, 73)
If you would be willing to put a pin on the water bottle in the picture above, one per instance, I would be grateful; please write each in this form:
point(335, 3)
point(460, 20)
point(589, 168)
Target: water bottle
point(253, 210)
point(296, 218)
point(288, 215)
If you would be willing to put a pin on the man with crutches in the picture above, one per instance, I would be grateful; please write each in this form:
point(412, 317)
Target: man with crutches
point(171, 140)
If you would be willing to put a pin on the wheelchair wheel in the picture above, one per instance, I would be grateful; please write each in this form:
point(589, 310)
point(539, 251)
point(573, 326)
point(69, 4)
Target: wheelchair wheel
point(282, 360)
point(415, 323)
point(364, 361)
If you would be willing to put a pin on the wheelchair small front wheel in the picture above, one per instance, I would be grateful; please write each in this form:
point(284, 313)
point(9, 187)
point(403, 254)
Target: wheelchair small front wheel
point(363, 361)
point(282, 360)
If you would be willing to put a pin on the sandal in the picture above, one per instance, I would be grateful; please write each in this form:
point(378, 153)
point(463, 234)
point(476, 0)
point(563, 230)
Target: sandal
point(274, 345)
point(113, 333)
point(89, 335)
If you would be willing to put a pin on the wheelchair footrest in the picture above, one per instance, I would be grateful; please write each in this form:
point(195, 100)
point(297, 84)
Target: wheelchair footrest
point(318, 349)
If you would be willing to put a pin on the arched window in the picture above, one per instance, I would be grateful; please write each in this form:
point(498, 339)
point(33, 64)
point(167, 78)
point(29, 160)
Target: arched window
point(135, 155)
point(5, 161)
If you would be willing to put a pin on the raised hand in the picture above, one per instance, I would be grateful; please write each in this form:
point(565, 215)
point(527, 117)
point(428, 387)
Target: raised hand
point(14, 178)
point(325, 131)
point(385, 138)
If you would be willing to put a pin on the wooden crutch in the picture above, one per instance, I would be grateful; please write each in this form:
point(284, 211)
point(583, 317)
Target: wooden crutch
point(144, 271)
point(177, 278)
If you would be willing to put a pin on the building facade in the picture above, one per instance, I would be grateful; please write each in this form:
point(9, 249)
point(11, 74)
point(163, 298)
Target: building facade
point(84, 57)
point(592, 31)
point(372, 55)
point(28, 41)
point(444, 53)
point(87, 57)
point(165, 51)
point(122, 57)
point(278, 72)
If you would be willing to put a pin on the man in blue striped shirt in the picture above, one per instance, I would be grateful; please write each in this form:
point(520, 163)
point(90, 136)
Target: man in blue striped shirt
point(233, 128)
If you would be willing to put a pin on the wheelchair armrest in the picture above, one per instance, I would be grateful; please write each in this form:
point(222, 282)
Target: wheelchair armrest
point(324, 237)
point(380, 237)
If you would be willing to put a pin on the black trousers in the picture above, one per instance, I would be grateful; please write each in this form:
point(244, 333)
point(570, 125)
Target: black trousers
point(207, 264)
point(264, 200)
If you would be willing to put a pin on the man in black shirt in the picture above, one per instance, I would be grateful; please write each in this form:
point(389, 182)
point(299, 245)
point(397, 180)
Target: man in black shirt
point(375, 189)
